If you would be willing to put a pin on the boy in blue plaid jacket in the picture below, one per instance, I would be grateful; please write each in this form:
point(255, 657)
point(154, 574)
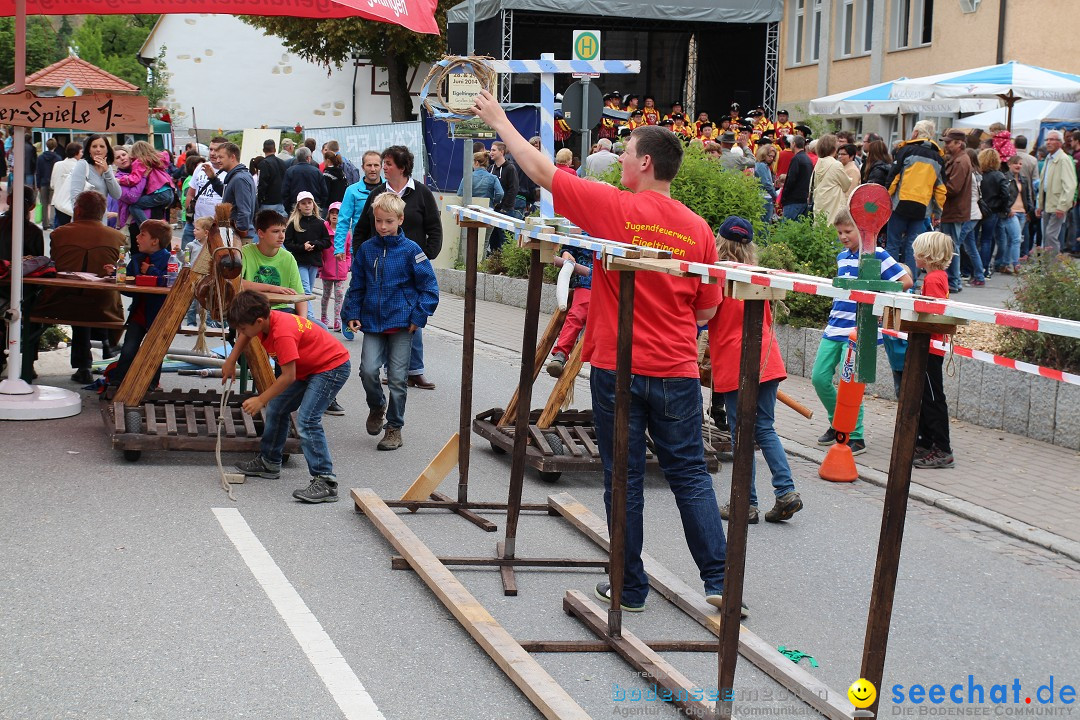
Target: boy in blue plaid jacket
point(393, 292)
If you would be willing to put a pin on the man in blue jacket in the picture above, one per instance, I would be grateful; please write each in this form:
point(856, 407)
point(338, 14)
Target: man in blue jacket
point(392, 293)
point(356, 195)
point(302, 176)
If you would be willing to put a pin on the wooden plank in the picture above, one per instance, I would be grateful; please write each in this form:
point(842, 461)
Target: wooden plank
point(150, 412)
point(478, 520)
point(541, 689)
point(830, 703)
point(636, 652)
point(227, 417)
point(156, 343)
point(211, 420)
point(562, 386)
point(259, 365)
point(668, 266)
point(506, 571)
point(587, 441)
point(547, 341)
point(568, 442)
point(170, 418)
point(249, 424)
point(575, 646)
point(189, 418)
point(119, 421)
point(435, 472)
point(399, 563)
point(541, 441)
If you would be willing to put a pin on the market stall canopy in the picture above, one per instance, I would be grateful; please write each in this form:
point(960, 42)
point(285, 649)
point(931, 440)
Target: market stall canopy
point(876, 100)
point(1029, 117)
point(718, 11)
point(1011, 79)
point(417, 15)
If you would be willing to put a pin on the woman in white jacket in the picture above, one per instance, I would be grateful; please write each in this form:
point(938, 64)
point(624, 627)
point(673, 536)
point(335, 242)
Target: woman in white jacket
point(830, 182)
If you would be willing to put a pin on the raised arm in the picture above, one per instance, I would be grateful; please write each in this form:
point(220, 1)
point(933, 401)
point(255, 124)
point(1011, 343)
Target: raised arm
point(531, 161)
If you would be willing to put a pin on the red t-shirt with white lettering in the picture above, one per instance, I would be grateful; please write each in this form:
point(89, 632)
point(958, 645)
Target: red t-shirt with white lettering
point(725, 347)
point(936, 285)
point(294, 338)
point(665, 331)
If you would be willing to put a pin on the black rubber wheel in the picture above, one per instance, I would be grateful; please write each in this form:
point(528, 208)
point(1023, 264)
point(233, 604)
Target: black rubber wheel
point(496, 449)
point(132, 455)
point(549, 477)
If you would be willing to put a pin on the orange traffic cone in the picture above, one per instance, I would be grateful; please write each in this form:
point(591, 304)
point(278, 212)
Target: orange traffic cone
point(839, 463)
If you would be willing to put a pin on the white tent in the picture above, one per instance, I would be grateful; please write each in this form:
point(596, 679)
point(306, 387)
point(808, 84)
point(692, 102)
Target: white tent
point(877, 100)
point(1028, 117)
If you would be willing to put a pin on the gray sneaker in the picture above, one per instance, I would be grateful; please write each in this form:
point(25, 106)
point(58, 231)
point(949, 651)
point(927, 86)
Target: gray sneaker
point(786, 505)
point(322, 489)
point(258, 467)
point(556, 365)
point(391, 440)
point(934, 460)
point(725, 511)
point(375, 419)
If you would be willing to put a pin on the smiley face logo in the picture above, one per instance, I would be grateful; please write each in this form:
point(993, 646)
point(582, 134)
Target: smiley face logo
point(862, 693)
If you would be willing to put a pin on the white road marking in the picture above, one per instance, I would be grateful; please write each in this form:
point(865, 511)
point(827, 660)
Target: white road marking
point(340, 680)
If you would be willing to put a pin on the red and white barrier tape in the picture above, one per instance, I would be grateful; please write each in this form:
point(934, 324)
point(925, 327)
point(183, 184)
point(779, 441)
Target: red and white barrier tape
point(808, 284)
point(999, 360)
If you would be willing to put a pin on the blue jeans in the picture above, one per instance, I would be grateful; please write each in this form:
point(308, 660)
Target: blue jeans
point(416, 356)
point(766, 437)
point(188, 235)
point(133, 337)
point(1009, 240)
point(279, 209)
point(161, 198)
point(308, 398)
point(392, 350)
point(794, 211)
point(988, 229)
point(670, 410)
point(308, 275)
point(901, 234)
point(967, 242)
point(955, 230)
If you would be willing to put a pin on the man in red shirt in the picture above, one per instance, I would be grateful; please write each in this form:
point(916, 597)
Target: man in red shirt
point(314, 366)
point(665, 386)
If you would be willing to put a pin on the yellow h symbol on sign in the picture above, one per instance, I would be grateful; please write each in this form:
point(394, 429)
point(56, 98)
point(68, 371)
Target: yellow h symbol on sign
point(586, 46)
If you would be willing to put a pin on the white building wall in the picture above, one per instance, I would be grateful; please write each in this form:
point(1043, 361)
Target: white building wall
point(235, 77)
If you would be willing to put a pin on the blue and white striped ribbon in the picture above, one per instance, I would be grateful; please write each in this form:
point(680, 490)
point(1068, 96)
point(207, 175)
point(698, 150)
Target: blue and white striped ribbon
point(548, 64)
point(547, 130)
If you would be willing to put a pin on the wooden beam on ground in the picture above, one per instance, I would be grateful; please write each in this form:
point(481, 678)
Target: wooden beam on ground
point(562, 387)
point(547, 341)
point(541, 689)
point(576, 646)
point(638, 653)
point(399, 563)
point(436, 471)
point(479, 521)
point(830, 703)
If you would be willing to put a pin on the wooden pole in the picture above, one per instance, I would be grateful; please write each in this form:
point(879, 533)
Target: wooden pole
point(525, 385)
point(468, 342)
point(892, 519)
point(620, 449)
point(745, 422)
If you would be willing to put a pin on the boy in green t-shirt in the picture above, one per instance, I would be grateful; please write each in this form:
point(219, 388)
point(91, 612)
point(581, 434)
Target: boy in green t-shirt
point(270, 268)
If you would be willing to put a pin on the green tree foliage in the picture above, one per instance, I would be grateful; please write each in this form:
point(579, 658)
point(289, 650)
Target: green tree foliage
point(809, 246)
point(112, 42)
point(1049, 284)
point(43, 48)
point(332, 42)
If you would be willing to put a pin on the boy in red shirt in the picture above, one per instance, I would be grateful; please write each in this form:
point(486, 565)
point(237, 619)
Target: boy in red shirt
point(314, 366)
point(665, 387)
point(933, 253)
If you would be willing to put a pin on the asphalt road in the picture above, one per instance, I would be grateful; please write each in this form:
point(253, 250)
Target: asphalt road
point(122, 596)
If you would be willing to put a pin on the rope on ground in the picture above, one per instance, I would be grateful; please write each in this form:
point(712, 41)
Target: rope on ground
point(223, 407)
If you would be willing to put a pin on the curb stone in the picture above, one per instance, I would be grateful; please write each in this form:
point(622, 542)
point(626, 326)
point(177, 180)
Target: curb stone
point(962, 508)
